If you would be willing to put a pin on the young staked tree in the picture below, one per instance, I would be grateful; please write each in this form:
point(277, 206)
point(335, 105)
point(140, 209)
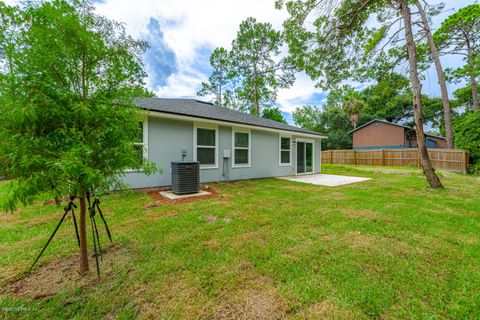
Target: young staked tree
point(67, 121)
point(459, 34)
point(258, 70)
point(447, 112)
point(330, 50)
point(220, 83)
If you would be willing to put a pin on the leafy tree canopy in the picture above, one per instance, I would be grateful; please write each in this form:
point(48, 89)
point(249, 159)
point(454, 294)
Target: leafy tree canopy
point(259, 71)
point(274, 114)
point(328, 39)
point(389, 99)
point(331, 120)
point(459, 34)
point(310, 118)
point(332, 41)
point(248, 77)
point(460, 31)
point(220, 86)
point(464, 97)
point(67, 81)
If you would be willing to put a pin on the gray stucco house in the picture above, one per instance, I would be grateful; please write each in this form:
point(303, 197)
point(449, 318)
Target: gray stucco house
point(230, 145)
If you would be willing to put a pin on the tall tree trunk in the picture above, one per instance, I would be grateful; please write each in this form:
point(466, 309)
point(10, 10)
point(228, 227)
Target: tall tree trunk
point(473, 81)
point(220, 93)
point(83, 236)
point(219, 99)
point(447, 113)
point(256, 106)
point(428, 169)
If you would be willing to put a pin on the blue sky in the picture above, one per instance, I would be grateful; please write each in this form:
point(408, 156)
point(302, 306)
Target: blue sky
point(183, 33)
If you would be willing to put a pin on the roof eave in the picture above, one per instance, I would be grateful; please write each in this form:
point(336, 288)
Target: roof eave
point(379, 120)
point(393, 124)
point(172, 115)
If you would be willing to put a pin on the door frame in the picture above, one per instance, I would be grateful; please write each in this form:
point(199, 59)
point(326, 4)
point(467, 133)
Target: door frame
point(296, 156)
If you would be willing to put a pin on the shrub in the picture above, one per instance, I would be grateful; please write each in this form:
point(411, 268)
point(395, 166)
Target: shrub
point(466, 130)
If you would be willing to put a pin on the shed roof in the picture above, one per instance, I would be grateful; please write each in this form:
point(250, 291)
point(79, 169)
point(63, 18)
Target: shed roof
point(205, 110)
point(393, 124)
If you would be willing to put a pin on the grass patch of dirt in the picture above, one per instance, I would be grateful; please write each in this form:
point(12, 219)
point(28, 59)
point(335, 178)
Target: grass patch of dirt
point(173, 296)
point(249, 238)
point(359, 240)
point(47, 280)
point(253, 303)
point(326, 309)
point(253, 297)
point(7, 217)
point(213, 244)
point(358, 213)
point(209, 219)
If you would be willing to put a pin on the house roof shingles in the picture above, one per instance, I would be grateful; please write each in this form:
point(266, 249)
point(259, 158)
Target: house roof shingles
point(206, 110)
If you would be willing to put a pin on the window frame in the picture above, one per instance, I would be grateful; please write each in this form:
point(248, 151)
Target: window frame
point(243, 165)
point(197, 126)
point(289, 164)
point(144, 144)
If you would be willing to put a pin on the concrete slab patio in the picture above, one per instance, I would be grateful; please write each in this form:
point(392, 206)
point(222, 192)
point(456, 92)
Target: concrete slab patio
point(328, 180)
point(173, 196)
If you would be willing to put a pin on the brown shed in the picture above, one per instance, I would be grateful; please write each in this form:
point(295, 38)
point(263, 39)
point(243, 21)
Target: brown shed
point(380, 134)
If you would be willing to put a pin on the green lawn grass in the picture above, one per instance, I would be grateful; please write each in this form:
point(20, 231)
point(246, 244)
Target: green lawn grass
point(385, 248)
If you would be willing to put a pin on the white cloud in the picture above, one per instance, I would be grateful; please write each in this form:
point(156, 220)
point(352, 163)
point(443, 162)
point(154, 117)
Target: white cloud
point(190, 25)
point(182, 84)
point(301, 93)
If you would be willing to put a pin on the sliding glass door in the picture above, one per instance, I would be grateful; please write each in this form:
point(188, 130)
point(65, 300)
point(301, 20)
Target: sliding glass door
point(300, 157)
point(304, 157)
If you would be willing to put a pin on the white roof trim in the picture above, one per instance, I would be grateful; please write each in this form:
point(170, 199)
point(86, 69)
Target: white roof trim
point(166, 115)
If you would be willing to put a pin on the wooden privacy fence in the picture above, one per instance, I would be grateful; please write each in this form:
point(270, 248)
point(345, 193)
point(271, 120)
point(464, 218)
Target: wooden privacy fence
point(446, 159)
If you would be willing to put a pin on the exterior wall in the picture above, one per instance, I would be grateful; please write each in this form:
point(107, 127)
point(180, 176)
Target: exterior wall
point(317, 156)
point(167, 138)
point(431, 141)
point(379, 135)
point(441, 143)
point(379, 147)
point(410, 139)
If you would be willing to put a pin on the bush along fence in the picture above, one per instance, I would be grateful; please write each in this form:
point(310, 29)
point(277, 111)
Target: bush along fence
point(446, 159)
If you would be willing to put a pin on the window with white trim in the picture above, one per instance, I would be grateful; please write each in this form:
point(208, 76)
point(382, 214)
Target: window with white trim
point(241, 148)
point(140, 144)
point(206, 146)
point(285, 153)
